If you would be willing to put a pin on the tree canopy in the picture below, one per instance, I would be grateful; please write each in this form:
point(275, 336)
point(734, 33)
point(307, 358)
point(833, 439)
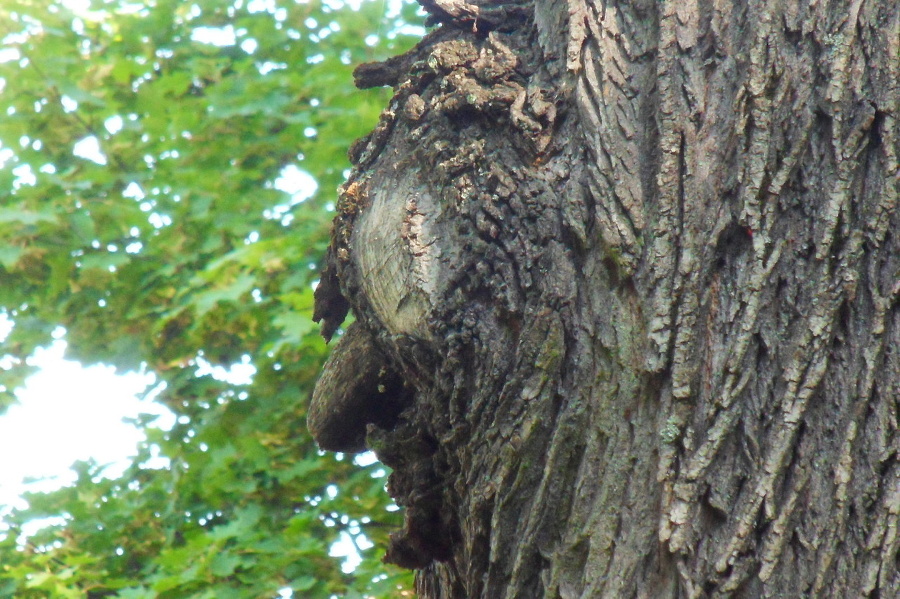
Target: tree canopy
point(168, 173)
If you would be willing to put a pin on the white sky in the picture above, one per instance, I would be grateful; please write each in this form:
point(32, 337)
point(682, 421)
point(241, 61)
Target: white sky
point(67, 412)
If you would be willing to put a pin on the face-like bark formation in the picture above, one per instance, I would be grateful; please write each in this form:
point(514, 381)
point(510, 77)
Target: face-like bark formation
point(632, 271)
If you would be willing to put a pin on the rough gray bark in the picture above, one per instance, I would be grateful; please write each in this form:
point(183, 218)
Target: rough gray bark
point(637, 266)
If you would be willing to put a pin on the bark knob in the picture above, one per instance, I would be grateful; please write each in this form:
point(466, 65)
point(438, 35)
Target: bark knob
point(357, 387)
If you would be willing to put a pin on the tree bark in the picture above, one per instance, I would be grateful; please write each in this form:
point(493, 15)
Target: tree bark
point(637, 266)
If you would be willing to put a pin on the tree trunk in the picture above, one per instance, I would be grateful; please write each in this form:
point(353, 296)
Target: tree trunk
point(636, 266)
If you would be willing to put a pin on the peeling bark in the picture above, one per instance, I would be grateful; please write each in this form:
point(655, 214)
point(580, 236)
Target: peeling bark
point(637, 266)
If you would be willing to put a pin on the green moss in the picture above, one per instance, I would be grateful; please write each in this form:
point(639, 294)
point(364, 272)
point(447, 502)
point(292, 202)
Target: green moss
point(670, 432)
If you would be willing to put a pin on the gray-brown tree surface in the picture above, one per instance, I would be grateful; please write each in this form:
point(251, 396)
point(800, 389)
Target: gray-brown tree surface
point(626, 279)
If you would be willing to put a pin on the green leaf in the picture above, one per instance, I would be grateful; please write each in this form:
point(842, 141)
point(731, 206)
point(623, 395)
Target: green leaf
point(303, 583)
point(295, 325)
point(136, 593)
point(231, 291)
point(38, 579)
point(9, 255)
point(244, 521)
point(105, 260)
point(224, 564)
point(83, 227)
point(25, 216)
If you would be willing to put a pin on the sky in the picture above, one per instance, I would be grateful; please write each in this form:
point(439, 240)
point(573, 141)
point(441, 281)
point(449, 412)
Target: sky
point(67, 412)
point(84, 409)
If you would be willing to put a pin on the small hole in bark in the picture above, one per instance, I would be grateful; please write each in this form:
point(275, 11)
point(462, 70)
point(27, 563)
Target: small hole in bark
point(613, 270)
point(463, 117)
point(713, 516)
point(875, 130)
point(762, 353)
point(792, 36)
point(887, 465)
point(390, 398)
point(733, 242)
point(838, 239)
point(843, 325)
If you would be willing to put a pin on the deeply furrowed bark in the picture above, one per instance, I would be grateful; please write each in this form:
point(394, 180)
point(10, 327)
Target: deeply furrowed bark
point(638, 266)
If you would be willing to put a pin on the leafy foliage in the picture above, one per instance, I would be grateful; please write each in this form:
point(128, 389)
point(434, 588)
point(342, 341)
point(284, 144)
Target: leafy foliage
point(167, 173)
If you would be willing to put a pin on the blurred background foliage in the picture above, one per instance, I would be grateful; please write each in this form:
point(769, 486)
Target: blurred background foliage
point(167, 177)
